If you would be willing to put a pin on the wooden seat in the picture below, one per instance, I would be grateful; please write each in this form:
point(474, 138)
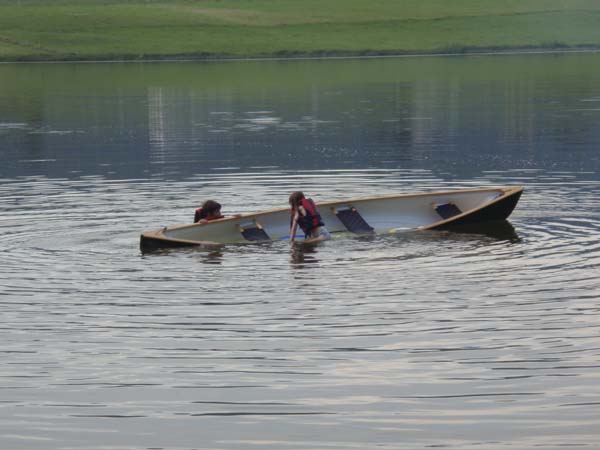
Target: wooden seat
point(254, 232)
point(353, 221)
point(447, 210)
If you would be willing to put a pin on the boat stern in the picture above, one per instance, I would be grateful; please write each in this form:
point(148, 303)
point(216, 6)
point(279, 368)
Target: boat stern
point(496, 210)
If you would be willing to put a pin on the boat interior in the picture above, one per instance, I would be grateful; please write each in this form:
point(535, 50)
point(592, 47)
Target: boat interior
point(388, 214)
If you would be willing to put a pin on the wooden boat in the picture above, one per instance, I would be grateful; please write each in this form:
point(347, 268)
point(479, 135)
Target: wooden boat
point(386, 214)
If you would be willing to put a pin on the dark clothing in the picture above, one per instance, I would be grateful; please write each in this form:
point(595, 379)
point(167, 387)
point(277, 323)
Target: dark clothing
point(200, 214)
point(312, 219)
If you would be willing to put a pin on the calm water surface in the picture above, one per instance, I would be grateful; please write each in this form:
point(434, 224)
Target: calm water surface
point(418, 340)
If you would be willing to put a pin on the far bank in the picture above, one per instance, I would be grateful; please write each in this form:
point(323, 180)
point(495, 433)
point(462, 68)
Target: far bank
point(96, 30)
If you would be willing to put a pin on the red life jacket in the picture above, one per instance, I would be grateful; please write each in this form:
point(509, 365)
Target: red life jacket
point(200, 215)
point(312, 219)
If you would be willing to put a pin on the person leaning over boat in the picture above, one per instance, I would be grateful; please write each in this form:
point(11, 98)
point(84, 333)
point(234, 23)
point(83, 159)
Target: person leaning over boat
point(306, 215)
point(210, 210)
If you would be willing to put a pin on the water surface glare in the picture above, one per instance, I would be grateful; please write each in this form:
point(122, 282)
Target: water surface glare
point(414, 340)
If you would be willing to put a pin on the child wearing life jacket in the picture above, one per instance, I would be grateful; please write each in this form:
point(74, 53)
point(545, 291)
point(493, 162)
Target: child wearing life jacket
point(210, 210)
point(306, 215)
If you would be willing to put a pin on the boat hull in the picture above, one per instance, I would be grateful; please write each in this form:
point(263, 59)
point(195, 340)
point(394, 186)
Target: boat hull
point(499, 210)
point(387, 214)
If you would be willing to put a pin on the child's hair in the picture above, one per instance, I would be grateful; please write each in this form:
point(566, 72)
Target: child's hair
point(295, 199)
point(208, 207)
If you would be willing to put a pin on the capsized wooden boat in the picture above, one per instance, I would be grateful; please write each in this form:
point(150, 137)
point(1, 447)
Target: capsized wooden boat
point(386, 214)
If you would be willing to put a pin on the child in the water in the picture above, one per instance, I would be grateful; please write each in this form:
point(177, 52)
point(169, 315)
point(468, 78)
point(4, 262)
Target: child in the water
point(306, 215)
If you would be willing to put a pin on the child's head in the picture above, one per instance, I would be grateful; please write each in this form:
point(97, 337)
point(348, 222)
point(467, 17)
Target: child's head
point(210, 208)
point(295, 199)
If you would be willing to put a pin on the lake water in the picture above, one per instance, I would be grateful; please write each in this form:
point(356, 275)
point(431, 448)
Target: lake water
point(412, 341)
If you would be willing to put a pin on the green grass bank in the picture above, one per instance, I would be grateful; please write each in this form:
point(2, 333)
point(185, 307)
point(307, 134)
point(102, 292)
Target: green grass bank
point(47, 30)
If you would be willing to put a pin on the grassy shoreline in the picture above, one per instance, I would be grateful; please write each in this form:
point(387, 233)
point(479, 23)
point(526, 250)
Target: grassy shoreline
point(138, 30)
point(496, 51)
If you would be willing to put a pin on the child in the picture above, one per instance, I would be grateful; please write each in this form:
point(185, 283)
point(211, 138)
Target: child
point(210, 210)
point(306, 215)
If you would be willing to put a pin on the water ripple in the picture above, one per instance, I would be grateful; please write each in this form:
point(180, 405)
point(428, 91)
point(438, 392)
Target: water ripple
point(451, 327)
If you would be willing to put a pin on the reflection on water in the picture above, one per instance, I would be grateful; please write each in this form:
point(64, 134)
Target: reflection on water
point(499, 230)
point(303, 255)
point(175, 120)
point(481, 337)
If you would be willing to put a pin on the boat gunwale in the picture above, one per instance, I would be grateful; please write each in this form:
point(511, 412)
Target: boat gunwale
point(358, 200)
point(159, 236)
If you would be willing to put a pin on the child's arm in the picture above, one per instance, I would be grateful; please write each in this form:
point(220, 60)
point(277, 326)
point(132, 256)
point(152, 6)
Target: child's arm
point(293, 228)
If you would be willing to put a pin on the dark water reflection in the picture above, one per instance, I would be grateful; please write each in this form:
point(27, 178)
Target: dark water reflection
point(486, 340)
